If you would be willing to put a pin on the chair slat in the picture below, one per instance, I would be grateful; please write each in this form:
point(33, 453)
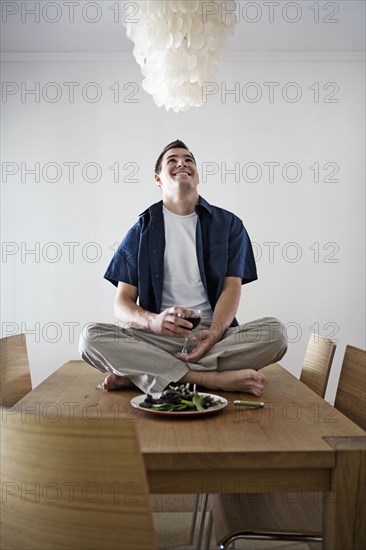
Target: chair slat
point(73, 483)
point(351, 392)
point(15, 379)
point(317, 363)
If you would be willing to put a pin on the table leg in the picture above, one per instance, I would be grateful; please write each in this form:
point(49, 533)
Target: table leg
point(344, 516)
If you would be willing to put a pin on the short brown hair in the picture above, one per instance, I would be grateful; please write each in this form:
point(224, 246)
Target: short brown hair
point(177, 144)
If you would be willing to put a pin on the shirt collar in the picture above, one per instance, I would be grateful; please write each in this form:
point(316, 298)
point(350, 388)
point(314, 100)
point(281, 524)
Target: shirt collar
point(157, 206)
point(202, 202)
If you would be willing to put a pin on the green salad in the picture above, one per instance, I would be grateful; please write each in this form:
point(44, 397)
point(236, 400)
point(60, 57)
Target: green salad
point(180, 398)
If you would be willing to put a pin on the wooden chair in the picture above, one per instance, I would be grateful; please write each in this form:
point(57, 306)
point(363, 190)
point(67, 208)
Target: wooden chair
point(317, 362)
point(351, 394)
point(72, 483)
point(282, 516)
point(15, 380)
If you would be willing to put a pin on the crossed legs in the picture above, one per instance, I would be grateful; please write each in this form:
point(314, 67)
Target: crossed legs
point(143, 359)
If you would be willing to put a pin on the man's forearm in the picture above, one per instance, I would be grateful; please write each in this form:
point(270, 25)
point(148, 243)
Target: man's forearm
point(167, 322)
point(226, 307)
point(127, 311)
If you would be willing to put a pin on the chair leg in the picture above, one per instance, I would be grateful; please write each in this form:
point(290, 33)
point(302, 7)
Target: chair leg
point(194, 519)
point(202, 522)
point(209, 532)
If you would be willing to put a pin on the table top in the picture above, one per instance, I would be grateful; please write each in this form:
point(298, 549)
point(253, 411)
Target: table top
point(288, 432)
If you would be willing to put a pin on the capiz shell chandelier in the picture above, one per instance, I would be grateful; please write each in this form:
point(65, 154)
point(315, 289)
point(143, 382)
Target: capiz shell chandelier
point(178, 45)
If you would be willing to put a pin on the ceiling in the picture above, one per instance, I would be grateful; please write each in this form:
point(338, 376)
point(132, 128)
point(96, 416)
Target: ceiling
point(321, 26)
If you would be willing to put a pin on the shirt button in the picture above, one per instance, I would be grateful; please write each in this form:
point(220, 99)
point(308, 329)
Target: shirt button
point(155, 251)
point(156, 276)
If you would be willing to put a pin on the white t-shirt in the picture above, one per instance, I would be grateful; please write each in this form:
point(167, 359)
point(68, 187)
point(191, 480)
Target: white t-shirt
point(182, 280)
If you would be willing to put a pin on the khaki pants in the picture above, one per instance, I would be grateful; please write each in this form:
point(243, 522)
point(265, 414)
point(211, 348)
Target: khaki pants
point(149, 361)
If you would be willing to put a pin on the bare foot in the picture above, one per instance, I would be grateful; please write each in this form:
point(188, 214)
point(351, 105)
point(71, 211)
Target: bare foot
point(243, 380)
point(114, 382)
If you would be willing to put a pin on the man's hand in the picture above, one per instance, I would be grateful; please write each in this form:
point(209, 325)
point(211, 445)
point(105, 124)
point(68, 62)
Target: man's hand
point(169, 323)
point(205, 339)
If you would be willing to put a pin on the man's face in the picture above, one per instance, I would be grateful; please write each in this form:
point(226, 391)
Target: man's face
point(178, 169)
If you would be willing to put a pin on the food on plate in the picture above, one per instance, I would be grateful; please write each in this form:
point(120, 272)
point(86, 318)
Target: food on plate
point(180, 398)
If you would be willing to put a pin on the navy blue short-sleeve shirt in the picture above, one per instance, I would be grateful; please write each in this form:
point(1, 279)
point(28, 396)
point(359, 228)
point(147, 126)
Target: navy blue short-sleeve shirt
point(223, 250)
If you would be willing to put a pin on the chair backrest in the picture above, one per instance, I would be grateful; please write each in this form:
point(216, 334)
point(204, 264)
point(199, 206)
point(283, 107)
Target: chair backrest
point(317, 362)
point(15, 380)
point(351, 392)
point(72, 483)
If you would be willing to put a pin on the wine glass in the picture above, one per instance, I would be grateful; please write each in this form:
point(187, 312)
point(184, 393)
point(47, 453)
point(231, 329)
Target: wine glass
point(195, 318)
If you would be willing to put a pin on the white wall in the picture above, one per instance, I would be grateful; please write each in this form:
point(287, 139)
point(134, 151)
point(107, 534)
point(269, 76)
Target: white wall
point(58, 289)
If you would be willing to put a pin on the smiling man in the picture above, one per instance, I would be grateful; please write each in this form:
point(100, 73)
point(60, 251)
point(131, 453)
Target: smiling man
point(182, 254)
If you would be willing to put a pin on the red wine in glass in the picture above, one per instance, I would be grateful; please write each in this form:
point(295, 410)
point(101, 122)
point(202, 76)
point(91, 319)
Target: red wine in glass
point(195, 319)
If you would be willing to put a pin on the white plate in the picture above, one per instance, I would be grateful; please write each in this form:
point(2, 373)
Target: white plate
point(136, 402)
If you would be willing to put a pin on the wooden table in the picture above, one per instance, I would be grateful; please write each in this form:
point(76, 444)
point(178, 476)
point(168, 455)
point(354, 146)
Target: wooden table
point(297, 442)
